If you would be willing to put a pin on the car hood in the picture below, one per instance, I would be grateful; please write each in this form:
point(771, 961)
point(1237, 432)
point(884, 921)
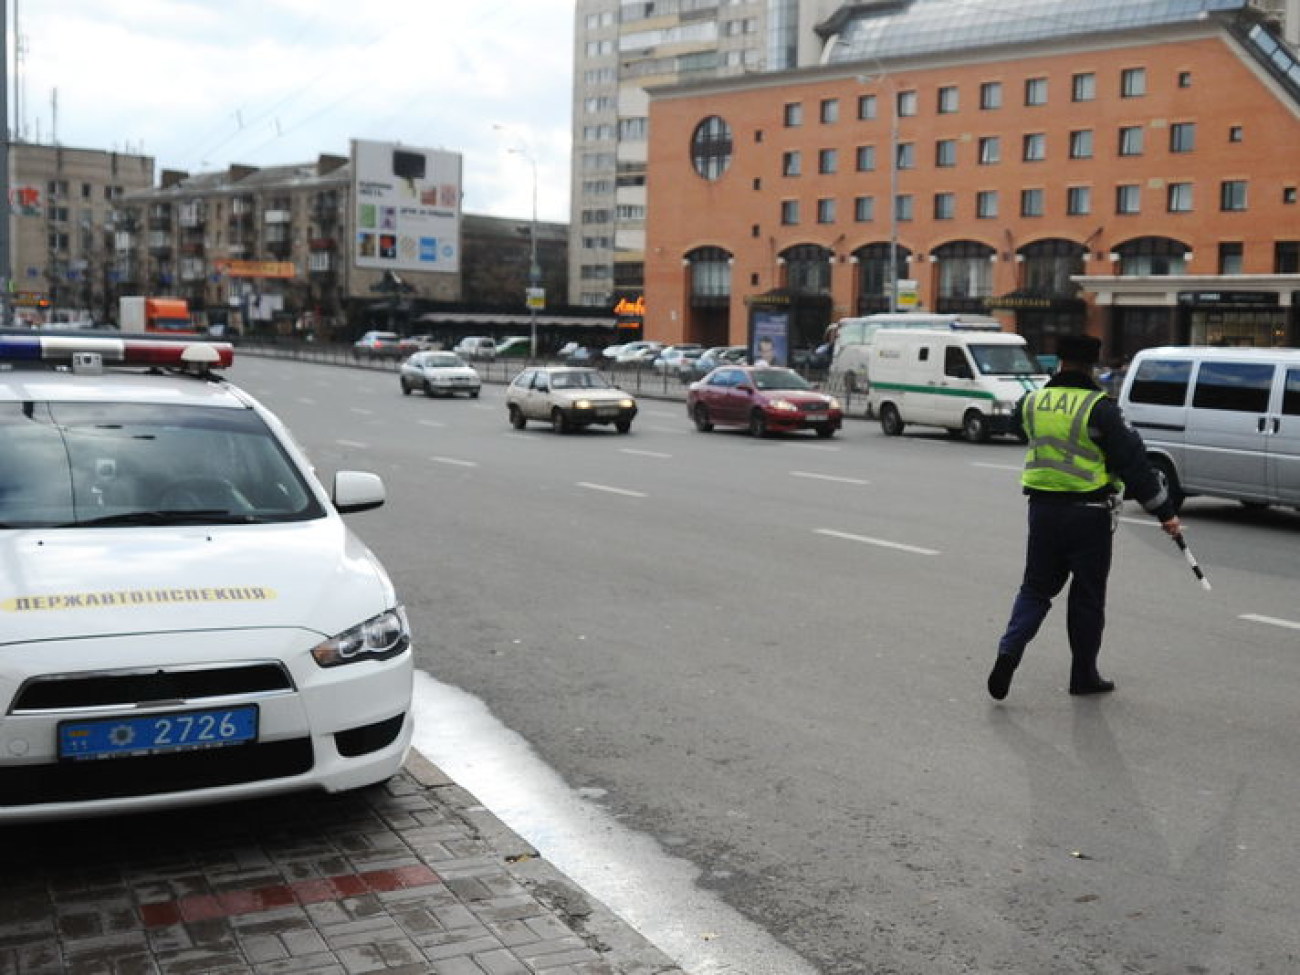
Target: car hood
point(800, 396)
point(92, 582)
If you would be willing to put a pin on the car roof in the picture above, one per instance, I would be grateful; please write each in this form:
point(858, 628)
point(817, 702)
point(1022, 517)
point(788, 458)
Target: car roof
point(119, 387)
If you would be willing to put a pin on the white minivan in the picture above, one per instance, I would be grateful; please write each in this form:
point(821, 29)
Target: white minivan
point(851, 352)
point(966, 382)
point(1219, 421)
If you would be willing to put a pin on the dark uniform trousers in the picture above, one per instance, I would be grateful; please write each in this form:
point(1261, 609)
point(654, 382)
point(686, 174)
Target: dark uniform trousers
point(1067, 540)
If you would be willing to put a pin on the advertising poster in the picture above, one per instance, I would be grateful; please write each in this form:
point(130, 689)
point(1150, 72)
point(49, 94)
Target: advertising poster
point(768, 341)
point(407, 207)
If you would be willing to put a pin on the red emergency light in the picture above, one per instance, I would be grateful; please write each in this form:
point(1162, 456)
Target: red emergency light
point(59, 349)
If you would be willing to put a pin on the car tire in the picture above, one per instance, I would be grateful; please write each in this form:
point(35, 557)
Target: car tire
point(406, 390)
point(757, 424)
point(558, 423)
point(890, 422)
point(701, 418)
point(825, 432)
point(1170, 477)
point(517, 418)
point(975, 426)
point(623, 426)
point(428, 390)
point(473, 394)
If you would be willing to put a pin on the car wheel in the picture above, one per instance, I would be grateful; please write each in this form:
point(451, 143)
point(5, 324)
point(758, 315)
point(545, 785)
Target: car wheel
point(406, 390)
point(428, 389)
point(517, 418)
point(623, 426)
point(826, 432)
point(1167, 473)
point(701, 418)
point(558, 423)
point(975, 426)
point(473, 394)
point(890, 421)
point(757, 424)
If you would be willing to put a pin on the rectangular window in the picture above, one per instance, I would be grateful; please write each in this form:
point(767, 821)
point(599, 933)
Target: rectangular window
point(1242, 387)
point(1286, 257)
point(907, 104)
point(1161, 382)
point(903, 206)
point(864, 209)
point(1232, 194)
point(1182, 137)
point(1236, 133)
point(1184, 79)
point(1180, 197)
point(945, 153)
point(1133, 82)
point(866, 159)
point(991, 95)
point(945, 206)
point(830, 110)
point(906, 155)
point(1031, 203)
point(828, 161)
point(1035, 147)
point(1084, 87)
point(1078, 200)
point(1081, 144)
point(826, 210)
point(1128, 199)
point(866, 107)
point(990, 150)
point(789, 212)
point(1231, 256)
point(1130, 140)
point(793, 114)
point(791, 163)
point(948, 101)
point(1036, 91)
point(986, 204)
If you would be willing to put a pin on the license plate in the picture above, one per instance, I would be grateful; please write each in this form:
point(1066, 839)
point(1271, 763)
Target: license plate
point(155, 734)
point(816, 416)
point(607, 411)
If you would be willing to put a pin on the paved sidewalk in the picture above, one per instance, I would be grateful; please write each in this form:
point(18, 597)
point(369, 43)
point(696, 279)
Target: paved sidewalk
point(411, 878)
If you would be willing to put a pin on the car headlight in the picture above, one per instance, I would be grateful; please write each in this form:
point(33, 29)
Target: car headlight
point(832, 403)
point(379, 638)
point(784, 405)
point(1003, 407)
point(626, 404)
point(582, 404)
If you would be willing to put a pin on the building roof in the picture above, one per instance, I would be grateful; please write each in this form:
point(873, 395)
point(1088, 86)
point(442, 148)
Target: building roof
point(921, 27)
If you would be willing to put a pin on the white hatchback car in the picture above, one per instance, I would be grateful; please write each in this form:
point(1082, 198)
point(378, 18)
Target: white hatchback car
point(567, 397)
point(438, 374)
point(184, 616)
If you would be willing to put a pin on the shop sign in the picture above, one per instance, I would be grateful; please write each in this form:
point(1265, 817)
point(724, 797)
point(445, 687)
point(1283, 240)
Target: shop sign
point(1227, 298)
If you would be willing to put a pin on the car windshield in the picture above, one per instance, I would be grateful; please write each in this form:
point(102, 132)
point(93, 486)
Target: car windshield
point(1003, 360)
point(108, 464)
point(778, 379)
point(578, 380)
point(444, 360)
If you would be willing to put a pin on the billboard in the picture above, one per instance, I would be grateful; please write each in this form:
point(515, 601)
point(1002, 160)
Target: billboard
point(407, 207)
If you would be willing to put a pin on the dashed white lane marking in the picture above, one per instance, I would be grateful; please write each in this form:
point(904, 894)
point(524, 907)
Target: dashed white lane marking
point(1271, 621)
point(455, 462)
point(829, 477)
point(881, 542)
point(362, 411)
point(352, 443)
point(432, 423)
point(998, 467)
point(306, 401)
point(611, 490)
point(643, 453)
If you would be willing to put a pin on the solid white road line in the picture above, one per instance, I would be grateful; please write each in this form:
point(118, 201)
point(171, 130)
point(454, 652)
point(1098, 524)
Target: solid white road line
point(917, 550)
point(455, 462)
point(1271, 621)
point(643, 453)
point(432, 423)
point(352, 443)
point(829, 477)
point(998, 467)
point(611, 490)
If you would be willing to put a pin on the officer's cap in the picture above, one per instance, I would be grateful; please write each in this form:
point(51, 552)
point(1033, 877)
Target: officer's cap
point(1083, 349)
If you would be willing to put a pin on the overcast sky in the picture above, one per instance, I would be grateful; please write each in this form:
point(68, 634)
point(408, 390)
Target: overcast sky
point(201, 84)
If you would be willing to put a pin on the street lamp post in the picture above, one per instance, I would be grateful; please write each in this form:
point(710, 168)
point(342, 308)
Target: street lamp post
point(534, 269)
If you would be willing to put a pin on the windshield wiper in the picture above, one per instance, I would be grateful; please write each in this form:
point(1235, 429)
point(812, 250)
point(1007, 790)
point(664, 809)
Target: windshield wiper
point(179, 516)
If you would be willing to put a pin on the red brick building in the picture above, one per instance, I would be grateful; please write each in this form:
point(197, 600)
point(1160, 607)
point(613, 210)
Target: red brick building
point(1126, 169)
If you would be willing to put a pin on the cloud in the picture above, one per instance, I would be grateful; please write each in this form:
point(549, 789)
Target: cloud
point(201, 84)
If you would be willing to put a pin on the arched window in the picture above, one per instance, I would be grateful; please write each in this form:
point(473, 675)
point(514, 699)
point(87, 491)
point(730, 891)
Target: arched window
point(808, 269)
point(710, 275)
point(1047, 266)
point(1152, 257)
point(965, 269)
point(711, 147)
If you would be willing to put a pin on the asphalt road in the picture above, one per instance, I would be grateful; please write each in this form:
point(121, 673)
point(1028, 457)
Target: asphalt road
point(770, 656)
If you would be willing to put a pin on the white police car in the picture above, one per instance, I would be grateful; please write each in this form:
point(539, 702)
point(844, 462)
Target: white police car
point(184, 616)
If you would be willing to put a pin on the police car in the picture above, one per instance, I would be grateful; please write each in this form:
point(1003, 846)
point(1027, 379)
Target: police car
point(184, 616)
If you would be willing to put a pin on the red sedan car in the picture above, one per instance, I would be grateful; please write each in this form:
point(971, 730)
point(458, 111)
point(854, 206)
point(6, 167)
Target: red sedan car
point(765, 399)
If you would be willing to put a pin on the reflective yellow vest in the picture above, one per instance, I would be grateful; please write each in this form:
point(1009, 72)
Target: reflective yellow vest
point(1062, 456)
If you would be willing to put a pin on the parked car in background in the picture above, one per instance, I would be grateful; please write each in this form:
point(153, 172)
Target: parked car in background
point(638, 353)
point(671, 359)
point(476, 347)
point(567, 398)
point(611, 351)
point(515, 346)
point(579, 355)
point(718, 355)
point(410, 344)
point(439, 374)
point(766, 399)
point(377, 345)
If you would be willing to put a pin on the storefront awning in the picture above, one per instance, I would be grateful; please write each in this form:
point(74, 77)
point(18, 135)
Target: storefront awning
point(488, 319)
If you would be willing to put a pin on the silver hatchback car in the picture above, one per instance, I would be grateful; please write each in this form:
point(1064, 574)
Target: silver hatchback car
point(568, 398)
point(439, 374)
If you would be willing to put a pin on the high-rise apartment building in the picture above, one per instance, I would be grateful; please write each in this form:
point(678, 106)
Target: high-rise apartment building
point(622, 48)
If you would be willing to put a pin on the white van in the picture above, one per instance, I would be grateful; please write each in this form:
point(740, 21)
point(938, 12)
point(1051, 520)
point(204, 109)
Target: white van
point(851, 353)
point(1219, 421)
point(476, 347)
point(966, 382)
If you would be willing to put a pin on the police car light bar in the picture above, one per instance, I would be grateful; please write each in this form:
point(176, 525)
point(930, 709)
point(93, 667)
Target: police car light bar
point(126, 352)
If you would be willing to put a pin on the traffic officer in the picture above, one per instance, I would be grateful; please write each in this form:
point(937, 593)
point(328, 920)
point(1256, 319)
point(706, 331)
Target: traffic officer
point(1083, 459)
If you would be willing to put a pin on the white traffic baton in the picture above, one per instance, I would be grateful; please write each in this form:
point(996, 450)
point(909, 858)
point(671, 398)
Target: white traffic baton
point(1191, 560)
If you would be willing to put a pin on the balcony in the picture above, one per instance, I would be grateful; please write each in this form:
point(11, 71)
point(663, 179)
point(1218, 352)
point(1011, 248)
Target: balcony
point(322, 244)
point(277, 217)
